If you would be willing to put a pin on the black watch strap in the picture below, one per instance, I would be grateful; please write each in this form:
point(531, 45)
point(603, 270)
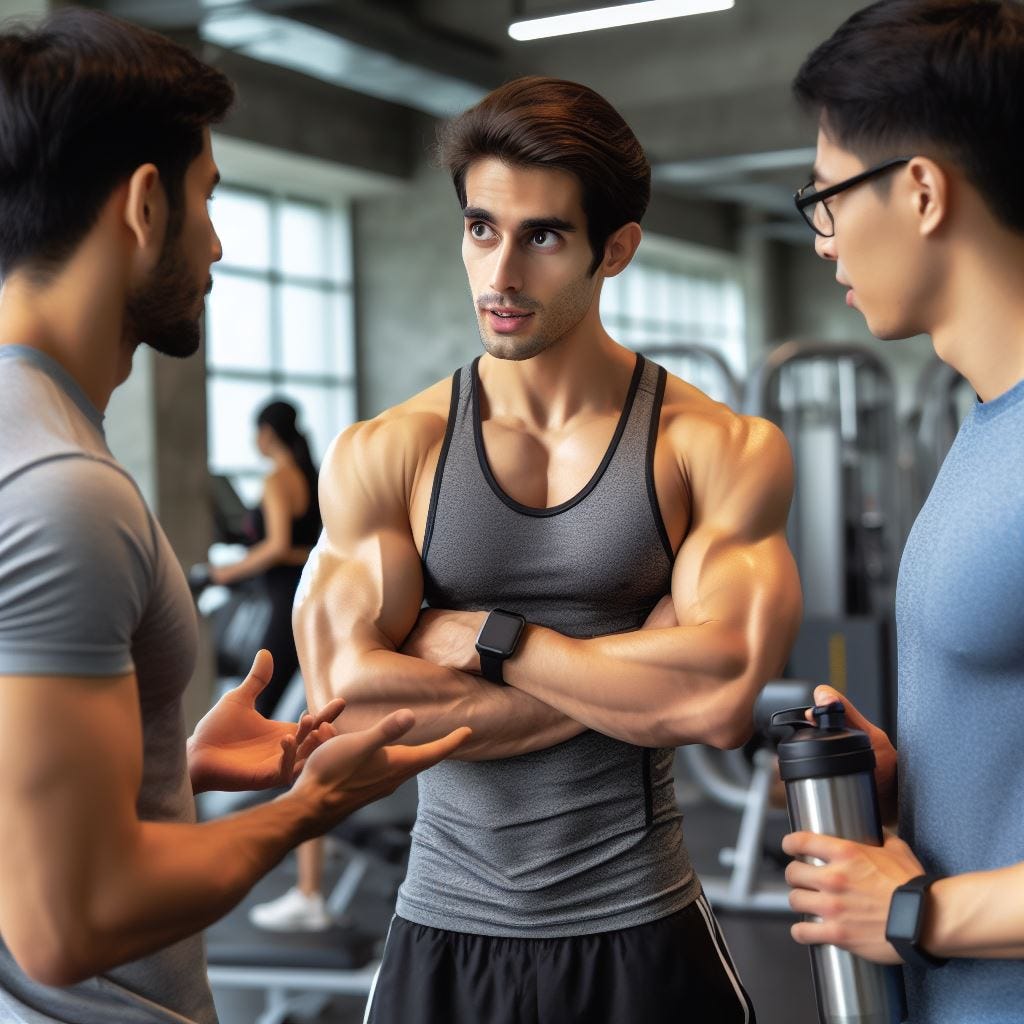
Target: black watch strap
point(491, 667)
point(906, 921)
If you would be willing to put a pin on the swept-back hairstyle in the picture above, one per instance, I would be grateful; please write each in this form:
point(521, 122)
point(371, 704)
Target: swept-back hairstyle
point(551, 123)
point(945, 77)
point(85, 99)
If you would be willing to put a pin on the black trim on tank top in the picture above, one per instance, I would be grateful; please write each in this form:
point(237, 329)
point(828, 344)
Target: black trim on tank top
point(435, 491)
point(648, 754)
point(652, 441)
point(555, 510)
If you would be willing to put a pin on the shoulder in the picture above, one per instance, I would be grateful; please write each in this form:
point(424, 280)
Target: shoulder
point(730, 461)
point(383, 457)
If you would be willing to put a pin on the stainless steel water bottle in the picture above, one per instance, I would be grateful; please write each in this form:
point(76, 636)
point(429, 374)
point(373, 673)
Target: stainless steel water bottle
point(829, 772)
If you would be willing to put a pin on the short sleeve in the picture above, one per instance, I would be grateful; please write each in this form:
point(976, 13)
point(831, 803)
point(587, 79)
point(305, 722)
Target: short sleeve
point(77, 565)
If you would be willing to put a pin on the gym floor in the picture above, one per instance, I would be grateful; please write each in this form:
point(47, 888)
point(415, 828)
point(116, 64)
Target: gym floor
point(774, 969)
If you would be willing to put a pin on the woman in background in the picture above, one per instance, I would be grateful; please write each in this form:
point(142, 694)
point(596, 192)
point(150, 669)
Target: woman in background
point(284, 529)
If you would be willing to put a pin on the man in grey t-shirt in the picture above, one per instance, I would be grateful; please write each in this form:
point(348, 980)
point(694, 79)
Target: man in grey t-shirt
point(105, 878)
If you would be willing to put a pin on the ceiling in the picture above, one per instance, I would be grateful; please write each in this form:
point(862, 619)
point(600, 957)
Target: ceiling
point(708, 96)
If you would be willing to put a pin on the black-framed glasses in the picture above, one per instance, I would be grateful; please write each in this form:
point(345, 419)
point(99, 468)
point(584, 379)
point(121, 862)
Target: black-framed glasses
point(811, 203)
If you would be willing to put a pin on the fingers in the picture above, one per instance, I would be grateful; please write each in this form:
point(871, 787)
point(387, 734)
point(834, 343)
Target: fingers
point(811, 844)
point(390, 728)
point(287, 768)
point(828, 694)
point(321, 734)
point(330, 711)
point(438, 750)
point(259, 675)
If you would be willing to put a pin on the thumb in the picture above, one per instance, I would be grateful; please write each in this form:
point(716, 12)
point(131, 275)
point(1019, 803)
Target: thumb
point(390, 728)
point(259, 675)
point(829, 694)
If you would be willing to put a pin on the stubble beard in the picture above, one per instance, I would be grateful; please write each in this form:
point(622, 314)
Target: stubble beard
point(554, 321)
point(164, 313)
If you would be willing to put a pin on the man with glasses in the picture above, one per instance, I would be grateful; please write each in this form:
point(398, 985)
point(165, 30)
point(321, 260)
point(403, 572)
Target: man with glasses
point(916, 197)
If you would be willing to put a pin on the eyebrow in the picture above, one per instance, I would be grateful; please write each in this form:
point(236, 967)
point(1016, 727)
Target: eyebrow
point(530, 224)
point(816, 175)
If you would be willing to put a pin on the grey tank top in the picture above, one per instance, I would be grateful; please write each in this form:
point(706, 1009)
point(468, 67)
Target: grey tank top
point(585, 836)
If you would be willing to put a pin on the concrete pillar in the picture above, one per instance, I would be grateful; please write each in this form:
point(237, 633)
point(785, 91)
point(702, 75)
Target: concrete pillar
point(156, 426)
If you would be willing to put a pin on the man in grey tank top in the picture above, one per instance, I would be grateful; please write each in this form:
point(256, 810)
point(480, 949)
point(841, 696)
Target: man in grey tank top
point(105, 239)
point(617, 541)
point(916, 197)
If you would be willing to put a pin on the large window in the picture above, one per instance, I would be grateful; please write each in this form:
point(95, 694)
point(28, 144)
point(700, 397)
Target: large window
point(655, 306)
point(279, 324)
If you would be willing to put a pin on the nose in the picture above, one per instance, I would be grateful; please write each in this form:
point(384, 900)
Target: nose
point(506, 273)
point(217, 250)
point(825, 247)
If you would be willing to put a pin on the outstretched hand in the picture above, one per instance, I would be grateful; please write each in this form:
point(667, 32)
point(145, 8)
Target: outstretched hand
point(235, 748)
point(354, 769)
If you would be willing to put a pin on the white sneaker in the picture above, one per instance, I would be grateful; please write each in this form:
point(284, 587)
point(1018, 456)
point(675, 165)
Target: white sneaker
point(292, 912)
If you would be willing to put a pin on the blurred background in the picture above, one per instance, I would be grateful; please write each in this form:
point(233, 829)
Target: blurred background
point(342, 289)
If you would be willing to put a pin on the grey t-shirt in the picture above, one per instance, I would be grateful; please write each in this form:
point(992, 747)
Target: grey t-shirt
point(89, 586)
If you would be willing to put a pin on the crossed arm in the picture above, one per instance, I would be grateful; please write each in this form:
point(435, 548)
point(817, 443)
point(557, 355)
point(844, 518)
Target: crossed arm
point(735, 598)
point(361, 596)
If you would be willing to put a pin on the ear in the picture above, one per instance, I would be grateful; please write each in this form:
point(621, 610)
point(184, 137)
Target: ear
point(929, 194)
point(620, 249)
point(145, 214)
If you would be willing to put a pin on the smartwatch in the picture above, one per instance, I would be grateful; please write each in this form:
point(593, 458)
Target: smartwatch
point(498, 639)
point(906, 920)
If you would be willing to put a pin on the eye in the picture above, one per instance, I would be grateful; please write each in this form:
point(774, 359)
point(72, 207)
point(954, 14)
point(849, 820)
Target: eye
point(480, 231)
point(544, 239)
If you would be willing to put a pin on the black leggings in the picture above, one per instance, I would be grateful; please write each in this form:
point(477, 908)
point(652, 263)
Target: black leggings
point(280, 584)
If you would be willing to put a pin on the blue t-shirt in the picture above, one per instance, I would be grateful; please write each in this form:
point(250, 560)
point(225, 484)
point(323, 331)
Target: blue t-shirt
point(960, 627)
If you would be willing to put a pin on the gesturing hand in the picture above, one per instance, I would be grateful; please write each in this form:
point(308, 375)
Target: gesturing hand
point(354, 769)
point(234, 747)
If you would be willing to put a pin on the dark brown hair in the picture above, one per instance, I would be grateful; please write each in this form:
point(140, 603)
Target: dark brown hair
point(551, 123)
point(86, 99)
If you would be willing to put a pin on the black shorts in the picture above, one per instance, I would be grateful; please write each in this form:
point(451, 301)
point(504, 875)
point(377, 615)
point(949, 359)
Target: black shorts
point(673, 971)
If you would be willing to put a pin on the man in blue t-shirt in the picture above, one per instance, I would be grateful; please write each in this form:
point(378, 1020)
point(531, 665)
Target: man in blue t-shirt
point(916, 196)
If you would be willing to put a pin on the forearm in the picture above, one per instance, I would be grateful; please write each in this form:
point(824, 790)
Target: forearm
point(980, 914)
point(153, 885)
point(505, 721)
point(652, 687)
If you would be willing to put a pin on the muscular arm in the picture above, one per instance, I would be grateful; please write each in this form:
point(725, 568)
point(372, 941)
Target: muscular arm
point(86, 884)
point(362, 593)
point(736, 596)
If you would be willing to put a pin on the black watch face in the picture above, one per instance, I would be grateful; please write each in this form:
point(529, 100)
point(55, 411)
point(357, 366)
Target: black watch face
point(500, 633)
point(903, 914)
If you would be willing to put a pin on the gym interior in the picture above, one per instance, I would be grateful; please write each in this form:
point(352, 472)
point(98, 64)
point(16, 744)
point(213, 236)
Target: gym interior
point(341, 290)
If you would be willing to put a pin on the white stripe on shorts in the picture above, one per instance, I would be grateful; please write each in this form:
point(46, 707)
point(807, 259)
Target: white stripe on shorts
point(376, 976)
point(723, 953)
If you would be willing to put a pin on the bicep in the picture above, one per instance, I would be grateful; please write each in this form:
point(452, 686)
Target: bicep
point(362, 587)
point(70, 771)
point(735, 568)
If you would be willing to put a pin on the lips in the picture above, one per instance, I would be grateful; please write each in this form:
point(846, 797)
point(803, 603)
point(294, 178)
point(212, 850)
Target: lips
point(503, 320)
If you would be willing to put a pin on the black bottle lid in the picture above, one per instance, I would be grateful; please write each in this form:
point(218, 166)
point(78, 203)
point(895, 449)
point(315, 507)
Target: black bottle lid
point(823, 748)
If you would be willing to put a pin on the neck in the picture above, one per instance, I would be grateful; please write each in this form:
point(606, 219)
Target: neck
point(77, 319)
point(980, 330)
point(584, 372)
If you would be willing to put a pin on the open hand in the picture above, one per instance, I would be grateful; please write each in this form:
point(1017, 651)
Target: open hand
point(235, 748)
point(354, 769)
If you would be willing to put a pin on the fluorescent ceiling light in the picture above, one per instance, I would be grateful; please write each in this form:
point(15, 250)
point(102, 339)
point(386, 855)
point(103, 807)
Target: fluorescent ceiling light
point(613, 17)
point(320, 54)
